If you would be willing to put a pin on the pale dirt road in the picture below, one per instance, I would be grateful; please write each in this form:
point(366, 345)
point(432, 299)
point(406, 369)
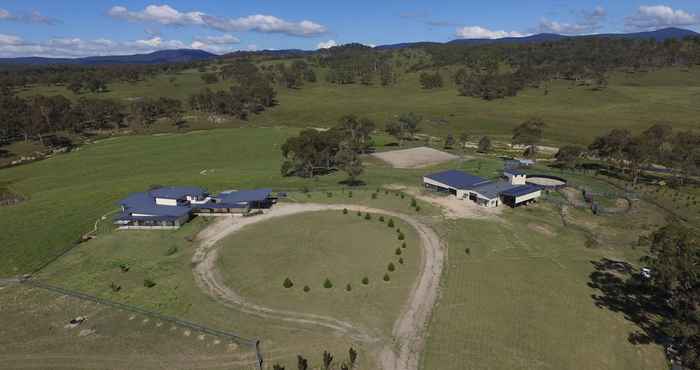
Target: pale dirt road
point(401, 351)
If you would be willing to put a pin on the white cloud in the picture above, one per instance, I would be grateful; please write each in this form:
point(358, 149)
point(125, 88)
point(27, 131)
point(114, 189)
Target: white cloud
point(266, 24)
point(10, 40)
point(252, 47)
point(326, 44)
point(164, 14)
point(225, 39)
point(69, 47)
point(587, 22)
point(652, 17)
point(477, 32)
point(33, 17)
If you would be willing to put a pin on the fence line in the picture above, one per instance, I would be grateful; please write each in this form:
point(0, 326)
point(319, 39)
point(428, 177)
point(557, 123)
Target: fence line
point(254, 344)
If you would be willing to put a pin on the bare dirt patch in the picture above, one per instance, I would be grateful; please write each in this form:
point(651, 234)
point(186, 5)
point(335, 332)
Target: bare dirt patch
point(452, 208)
point(414, 157)
point(402, 351)
point(544, 181)
point(542, 229)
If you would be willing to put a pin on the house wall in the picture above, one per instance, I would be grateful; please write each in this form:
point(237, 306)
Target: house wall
point(526, 197)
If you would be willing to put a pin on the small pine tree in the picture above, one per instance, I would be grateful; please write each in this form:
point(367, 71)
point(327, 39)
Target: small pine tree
point(365, 280)
point(287, 283)
point(403, 245)
point(413, 202)
point(345, 211)
point(368, 216)
point(403, 195)
point(398, 251)
point(401, 236)
point(329, 194)
point(350, 194)
point(327, 284)
point(348, 287)
point(381, 218)
point(352, 356)
point(307, 288)
point(391, 222)
point(302, 363)
point(327, 360)
point(359, 213)
point(391, 267)
point(148, 283)
point(387, 277)
point(468, 251)
point(374, 195)
point(277, 367)
point(417, 208)
point(401, 260)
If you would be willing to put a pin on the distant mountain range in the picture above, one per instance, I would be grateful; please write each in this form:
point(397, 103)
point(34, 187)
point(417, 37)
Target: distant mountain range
point(162, 56)
point(189, 55)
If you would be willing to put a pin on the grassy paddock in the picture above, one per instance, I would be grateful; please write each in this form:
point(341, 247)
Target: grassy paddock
point(311, 247)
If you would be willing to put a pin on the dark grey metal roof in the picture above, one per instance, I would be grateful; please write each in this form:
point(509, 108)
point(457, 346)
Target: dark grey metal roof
point(245, 196)
point(522, 190)
point(457, 179)
point(493, 189)
point(178, 192)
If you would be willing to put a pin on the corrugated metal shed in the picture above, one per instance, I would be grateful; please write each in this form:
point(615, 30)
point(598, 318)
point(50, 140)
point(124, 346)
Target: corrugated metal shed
point(521, 190)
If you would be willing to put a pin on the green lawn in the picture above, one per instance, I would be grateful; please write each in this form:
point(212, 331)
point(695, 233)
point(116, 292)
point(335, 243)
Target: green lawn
point(573, 114)
point(520, 299)
point(68, 193)
point(311, 247)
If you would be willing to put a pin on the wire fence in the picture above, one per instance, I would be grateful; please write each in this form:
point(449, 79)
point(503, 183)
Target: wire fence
point(253, 344)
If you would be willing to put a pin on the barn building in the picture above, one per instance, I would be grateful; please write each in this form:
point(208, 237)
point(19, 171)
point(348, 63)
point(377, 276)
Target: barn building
point(511, 190)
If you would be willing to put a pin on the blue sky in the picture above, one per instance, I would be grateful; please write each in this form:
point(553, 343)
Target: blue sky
point(80, 28)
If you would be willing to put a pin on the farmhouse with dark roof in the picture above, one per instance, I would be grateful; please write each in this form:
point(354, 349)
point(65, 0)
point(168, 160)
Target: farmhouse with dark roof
point(171, 207)
point(512, 190)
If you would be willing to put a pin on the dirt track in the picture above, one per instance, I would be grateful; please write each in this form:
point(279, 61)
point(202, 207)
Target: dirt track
point(401, 351)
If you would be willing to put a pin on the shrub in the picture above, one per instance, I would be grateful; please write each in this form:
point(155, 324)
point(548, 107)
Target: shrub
point(172, 250)
point(308, 195)
point(365, 280)
point(417, 208)
point(381, 218)
point(387, 277)
point(401, 236)
point(329, 194)
point(386, 192)
point(115, 288)
point(403, 245)
point(327, 284)
point(398, 251)
point(345, 211)
point(403, 195)
point(148, 283)
point(348, 287)
point(391, 222)
point(374, 195)
point(413, 202)
point(287, 283)
point(305, 190)
point(391, 267)
point(350, 194)
point(359, 213)
point(468, 251)
point(401, 260)
point(367, 216)
point(306, 288)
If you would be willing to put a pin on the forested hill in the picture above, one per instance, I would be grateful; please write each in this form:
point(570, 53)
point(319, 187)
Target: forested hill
point(158, 57)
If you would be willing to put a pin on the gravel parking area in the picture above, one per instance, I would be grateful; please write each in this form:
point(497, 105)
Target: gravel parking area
point(415, 157)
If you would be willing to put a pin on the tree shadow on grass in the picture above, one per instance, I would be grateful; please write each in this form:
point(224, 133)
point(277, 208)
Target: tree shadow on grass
point(620, 289)
point(352, 183)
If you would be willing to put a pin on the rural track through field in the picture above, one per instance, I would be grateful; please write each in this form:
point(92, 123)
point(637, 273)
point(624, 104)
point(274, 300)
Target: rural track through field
point(400, 352)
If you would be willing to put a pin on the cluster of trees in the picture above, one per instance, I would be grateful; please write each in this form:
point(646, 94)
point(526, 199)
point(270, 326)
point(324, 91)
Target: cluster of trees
point(356, 63)
point(405, 127)
point(252, 92)
point(675, 263)
point(88, 77)
point(431, 80)
point(295, 75)
point(316, 152)
point(658, 144)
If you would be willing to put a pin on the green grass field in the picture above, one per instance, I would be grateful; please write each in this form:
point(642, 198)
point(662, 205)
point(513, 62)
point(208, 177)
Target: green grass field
point(573, 114)
point(310, 247)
